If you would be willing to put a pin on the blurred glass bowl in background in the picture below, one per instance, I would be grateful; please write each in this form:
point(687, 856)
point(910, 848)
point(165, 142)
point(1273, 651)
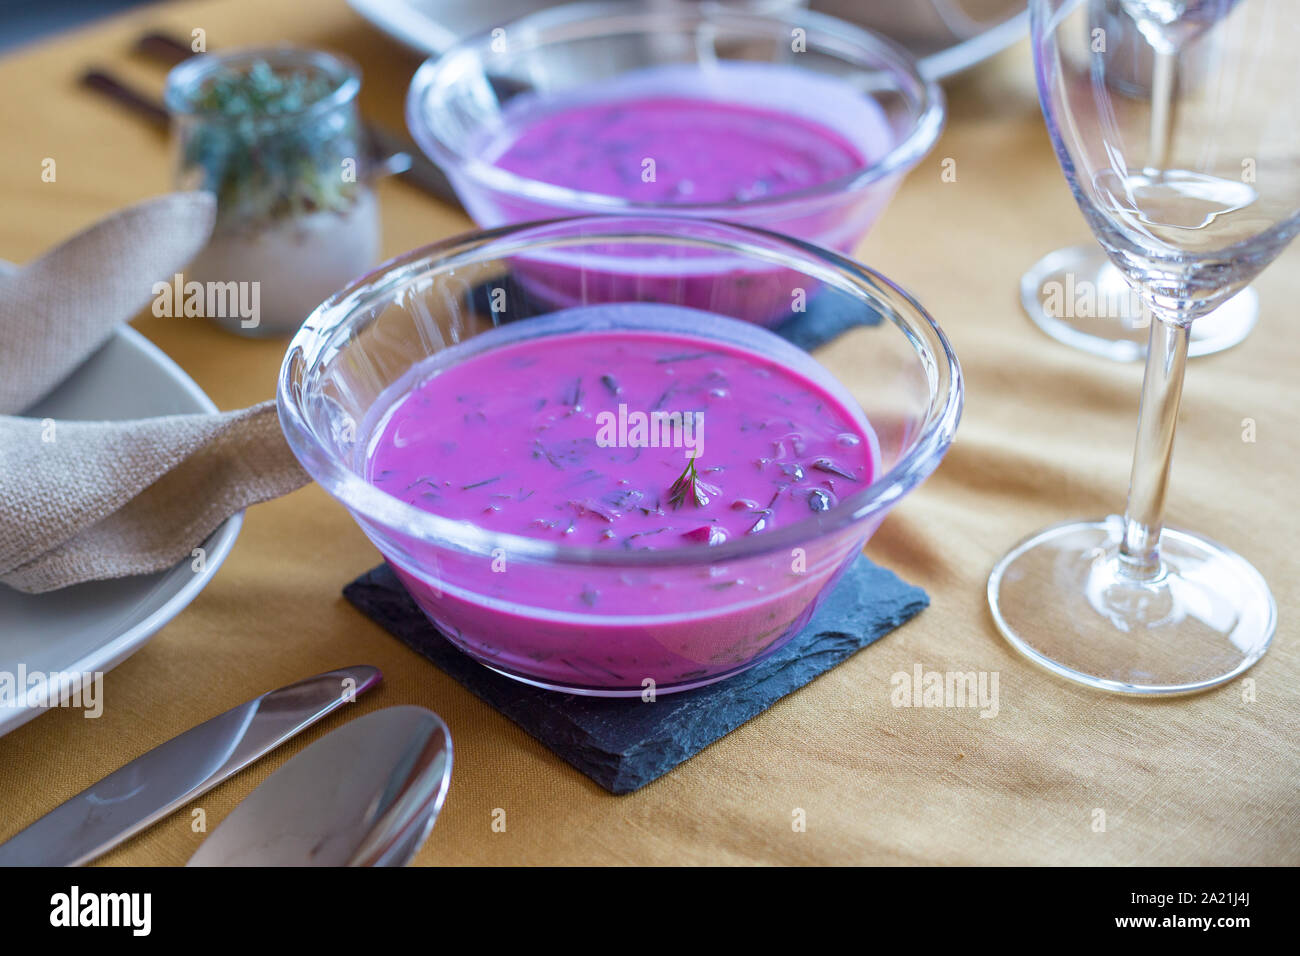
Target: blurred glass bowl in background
point(852, 82)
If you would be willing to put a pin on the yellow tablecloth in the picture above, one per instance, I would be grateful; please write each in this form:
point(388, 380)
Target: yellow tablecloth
point(1046, 436)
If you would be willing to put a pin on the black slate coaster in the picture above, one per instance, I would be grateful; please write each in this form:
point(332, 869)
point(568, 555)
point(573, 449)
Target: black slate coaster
point(624, 743)
point(826, 317)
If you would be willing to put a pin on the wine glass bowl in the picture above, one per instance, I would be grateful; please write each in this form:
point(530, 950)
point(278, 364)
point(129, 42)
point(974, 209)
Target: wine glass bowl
point(1191, 184)
point(1076, 295)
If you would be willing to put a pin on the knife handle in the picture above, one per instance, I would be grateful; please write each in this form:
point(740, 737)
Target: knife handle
point(137, 102)
point(164, 48)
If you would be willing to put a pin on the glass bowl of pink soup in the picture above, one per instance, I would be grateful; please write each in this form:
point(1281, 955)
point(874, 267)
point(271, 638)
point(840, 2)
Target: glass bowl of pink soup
point(791, 120)
point(625, 492)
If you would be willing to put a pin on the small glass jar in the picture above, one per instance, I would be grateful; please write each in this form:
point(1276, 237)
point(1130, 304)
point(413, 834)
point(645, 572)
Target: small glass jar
point(276, 136)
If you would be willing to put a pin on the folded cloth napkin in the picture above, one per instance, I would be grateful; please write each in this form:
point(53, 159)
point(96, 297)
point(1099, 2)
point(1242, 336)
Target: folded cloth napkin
point(111, 499)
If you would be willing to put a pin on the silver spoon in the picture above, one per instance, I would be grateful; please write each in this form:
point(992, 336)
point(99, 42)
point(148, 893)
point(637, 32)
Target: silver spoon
point(365, 795)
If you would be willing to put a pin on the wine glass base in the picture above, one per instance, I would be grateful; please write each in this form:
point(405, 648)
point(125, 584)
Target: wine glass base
point(1063, 599)
point(1078, 297)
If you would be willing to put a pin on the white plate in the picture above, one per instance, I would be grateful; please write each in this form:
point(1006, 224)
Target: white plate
point(946, 36)
point(93, 627)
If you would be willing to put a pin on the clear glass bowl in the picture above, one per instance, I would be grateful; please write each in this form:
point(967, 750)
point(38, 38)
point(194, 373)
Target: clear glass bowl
point(675, 626)
point(849, 80)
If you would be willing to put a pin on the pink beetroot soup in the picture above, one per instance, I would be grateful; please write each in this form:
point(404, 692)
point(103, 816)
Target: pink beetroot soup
point(584, 439)
point(675, 149)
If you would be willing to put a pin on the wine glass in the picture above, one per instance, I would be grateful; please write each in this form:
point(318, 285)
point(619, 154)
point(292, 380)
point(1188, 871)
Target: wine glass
point(1076, 294)
point(1191, 189)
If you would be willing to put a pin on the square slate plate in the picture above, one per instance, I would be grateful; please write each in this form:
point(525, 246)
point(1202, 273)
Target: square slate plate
point(622, 743)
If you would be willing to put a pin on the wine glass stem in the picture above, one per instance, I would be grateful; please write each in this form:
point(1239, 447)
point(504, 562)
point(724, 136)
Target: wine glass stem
point(1162, 390)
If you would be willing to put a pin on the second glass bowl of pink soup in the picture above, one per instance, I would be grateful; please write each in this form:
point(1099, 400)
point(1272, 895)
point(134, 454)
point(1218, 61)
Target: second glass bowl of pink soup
point(663, 616)
point(817, 73)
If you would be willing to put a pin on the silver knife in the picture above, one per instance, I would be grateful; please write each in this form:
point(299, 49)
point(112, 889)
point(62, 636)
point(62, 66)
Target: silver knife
point(174, 773)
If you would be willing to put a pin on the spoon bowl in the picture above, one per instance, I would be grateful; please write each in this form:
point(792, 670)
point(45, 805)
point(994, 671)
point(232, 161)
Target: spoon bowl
point(366, 794)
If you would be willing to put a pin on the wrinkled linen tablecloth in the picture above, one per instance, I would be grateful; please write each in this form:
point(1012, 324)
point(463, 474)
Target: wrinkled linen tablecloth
point(1059, 775)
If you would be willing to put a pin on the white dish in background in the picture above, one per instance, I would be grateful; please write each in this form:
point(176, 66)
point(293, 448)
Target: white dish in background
point(93, 627)
point(946, 36)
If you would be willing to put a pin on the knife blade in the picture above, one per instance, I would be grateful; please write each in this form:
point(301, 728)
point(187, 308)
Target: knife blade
point(174, 773)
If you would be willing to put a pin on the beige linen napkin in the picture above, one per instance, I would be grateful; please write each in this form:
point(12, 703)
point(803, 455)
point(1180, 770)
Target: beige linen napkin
point(110, 499)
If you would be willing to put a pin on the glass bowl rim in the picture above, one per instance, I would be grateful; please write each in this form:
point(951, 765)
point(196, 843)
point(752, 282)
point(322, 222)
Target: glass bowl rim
point(187, 76)
point(372, 505)
point(926, 127)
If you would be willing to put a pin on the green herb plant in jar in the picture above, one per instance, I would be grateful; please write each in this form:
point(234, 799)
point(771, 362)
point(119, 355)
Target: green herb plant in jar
point(275, 135)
